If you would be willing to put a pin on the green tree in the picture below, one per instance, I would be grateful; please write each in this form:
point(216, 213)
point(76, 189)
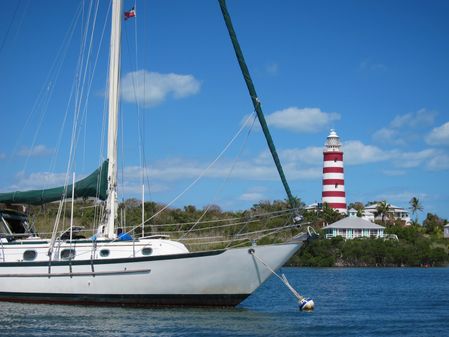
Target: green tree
point(434, 224)
point(330, 215)
point(383, 209)
point(415, 206)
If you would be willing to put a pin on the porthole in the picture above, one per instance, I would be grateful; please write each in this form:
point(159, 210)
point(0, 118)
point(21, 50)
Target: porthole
point(147, 251)
point(67, 254)
point(104, 252)
point(29, 255)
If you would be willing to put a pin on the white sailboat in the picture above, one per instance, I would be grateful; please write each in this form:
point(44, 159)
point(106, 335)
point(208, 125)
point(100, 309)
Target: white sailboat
point(103, 270)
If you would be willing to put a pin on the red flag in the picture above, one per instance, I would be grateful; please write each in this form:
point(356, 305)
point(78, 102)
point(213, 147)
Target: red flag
point(130, 14)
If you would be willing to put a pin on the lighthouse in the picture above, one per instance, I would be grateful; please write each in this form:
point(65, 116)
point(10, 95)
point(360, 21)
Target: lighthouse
point(333, 176)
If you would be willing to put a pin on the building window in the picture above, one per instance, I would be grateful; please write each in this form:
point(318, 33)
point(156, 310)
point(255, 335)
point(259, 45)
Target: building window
point(67, 254)
point(104, 252)
point(147, 251)
point(336, 185)
point(29, 255)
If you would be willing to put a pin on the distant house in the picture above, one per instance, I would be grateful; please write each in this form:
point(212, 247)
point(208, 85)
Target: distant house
point(365, 214)
point(315, 207)
point(446, 231)
point(397, 213)
point(354, 227)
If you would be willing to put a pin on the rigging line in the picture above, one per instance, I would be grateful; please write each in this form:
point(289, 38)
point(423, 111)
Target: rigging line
point(103, 137)
point(253, 219)
point(72, 143)
point(122, 159)
point(53, 162)
point(68, 36)
point(13, 19)
point(83, 98)
point(201, 175)
point(45, 104)
point(229, 173)
point(84, 32)
point(21, 19)
point(147, 176)
point(239, 232)
point(195, 181)
point(139, 111)
point(139, 114)
point(255, 99)
point(90, 80)
point(92, 72)
point(223, 226)
point(281, 212)
point(66, 113)
point(264, 233)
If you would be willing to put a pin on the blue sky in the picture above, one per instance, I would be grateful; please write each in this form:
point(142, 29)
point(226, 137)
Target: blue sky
point(376, 71)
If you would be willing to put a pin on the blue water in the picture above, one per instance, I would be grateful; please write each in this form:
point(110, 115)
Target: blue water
point(349, 302)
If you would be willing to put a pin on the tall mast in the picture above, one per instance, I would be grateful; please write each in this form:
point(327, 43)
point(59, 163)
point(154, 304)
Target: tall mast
point(114, 85)
point(255, 100)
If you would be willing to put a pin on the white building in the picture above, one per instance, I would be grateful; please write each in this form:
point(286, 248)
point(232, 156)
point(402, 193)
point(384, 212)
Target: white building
point(354, 227)
point(446, 231)
point(365, 214)
point(395, 213)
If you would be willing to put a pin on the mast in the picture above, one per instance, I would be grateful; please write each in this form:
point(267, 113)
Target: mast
point(114, 85)
point(255, 100)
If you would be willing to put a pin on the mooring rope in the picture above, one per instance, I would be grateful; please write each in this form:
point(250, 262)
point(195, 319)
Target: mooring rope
point(304, 304)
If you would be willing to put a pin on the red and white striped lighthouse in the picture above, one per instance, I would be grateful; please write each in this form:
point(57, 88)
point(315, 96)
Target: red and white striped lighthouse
point(333, 176)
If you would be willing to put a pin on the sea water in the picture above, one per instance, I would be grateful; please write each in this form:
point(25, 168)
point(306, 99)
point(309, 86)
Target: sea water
point(348, 302)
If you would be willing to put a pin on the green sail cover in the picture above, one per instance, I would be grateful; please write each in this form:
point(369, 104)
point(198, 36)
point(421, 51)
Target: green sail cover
point(94, 185)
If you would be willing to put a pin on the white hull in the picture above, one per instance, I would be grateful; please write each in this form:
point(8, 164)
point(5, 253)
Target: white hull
point(221, 278)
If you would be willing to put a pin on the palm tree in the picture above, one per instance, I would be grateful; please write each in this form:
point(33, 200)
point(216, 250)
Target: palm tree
point(415, 206)
point(383, 209)
point(329, 214)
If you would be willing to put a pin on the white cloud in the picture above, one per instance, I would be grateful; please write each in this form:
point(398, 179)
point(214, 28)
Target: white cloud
point(178, 169)
point(306, 120)
point(367, 64)
point(272, 69)
point(309, 155)
point(421, 118)
point(36, 151)
point(135, 188)
point(439, 135)
point(38, 180)
point(394, 173)
point(152, 88)
point(255, 194)
point(356, 153)
point(388, 136)
point(305, 163)
point(403, 128)
point(252, 196)
point(402, 198)
point(294, 172)
point(412, 159)
point(439, 162)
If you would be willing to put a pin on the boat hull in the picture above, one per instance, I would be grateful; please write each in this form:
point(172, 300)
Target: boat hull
point(212, 278)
